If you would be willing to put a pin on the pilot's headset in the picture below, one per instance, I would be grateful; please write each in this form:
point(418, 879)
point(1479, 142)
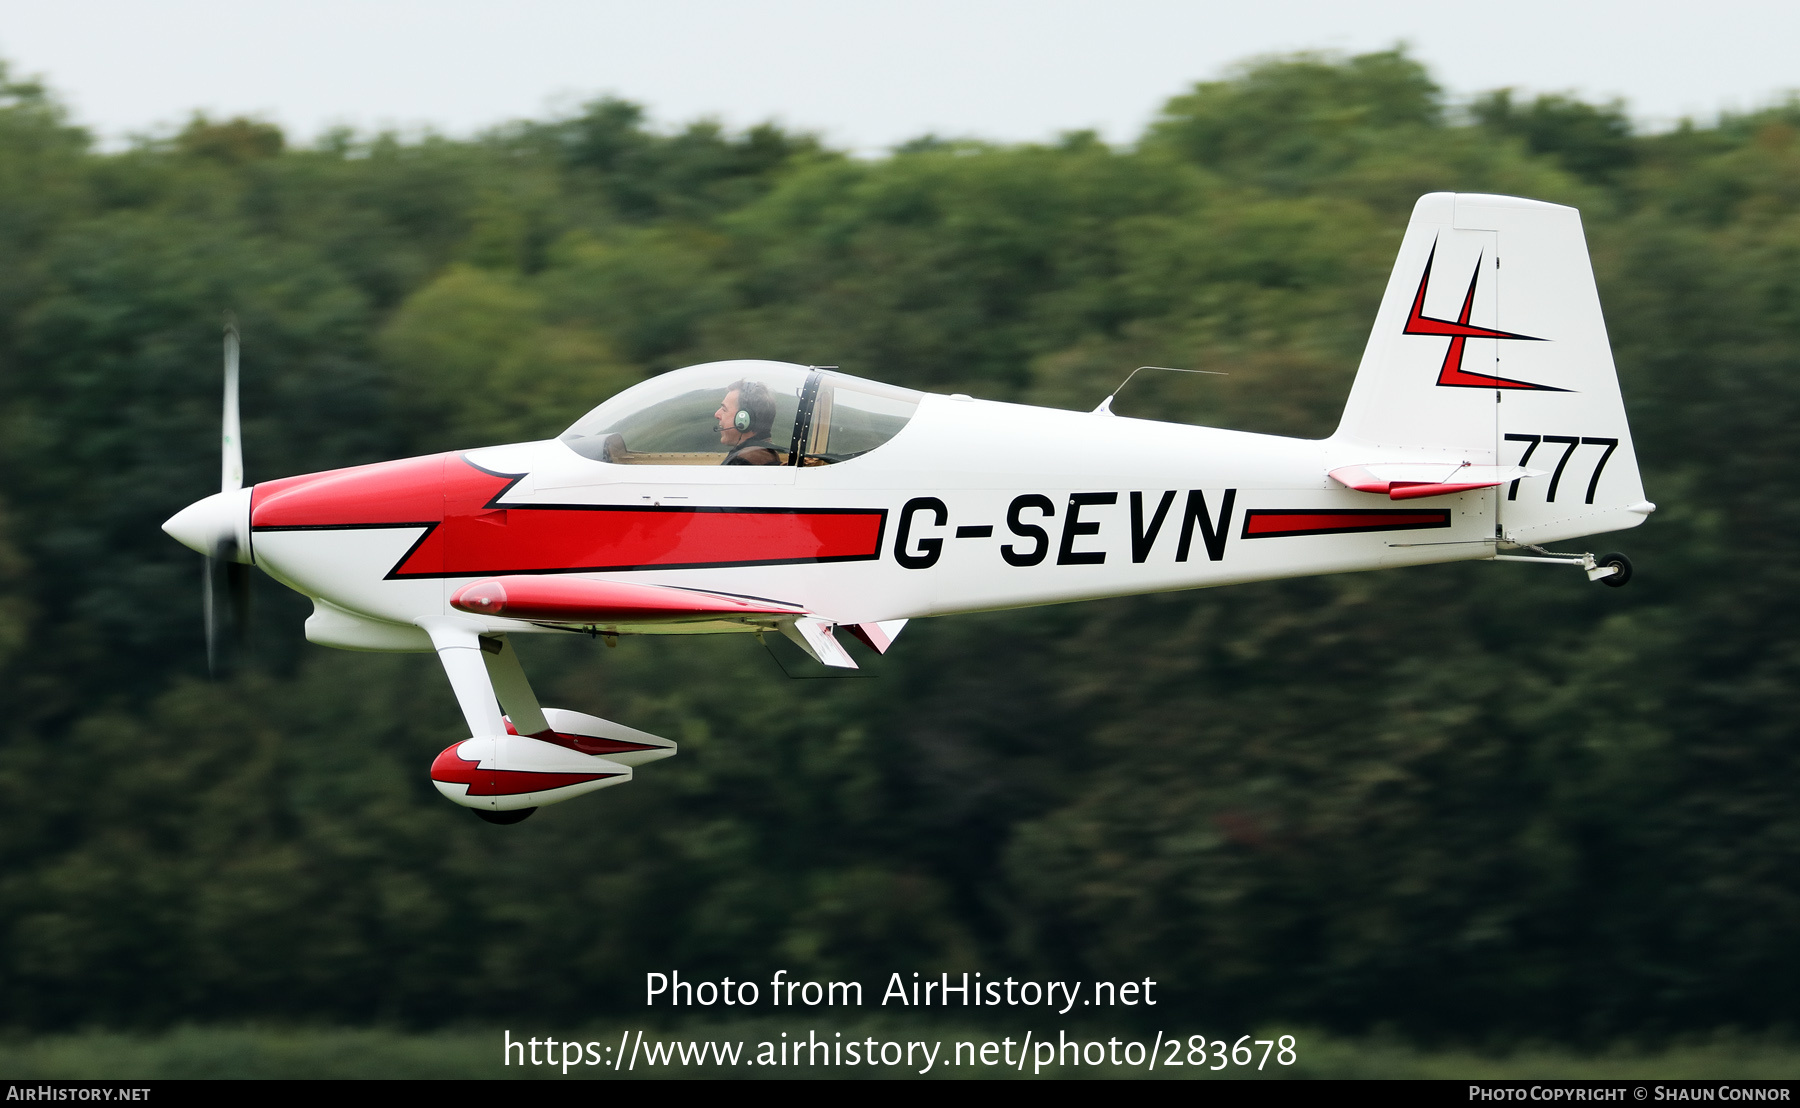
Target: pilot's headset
point(756, 408)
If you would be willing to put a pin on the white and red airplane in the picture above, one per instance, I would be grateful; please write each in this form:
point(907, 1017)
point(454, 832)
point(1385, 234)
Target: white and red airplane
point(754, 496)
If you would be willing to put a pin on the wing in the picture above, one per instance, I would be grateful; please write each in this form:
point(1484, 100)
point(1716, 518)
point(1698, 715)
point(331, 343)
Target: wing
point(615, 606)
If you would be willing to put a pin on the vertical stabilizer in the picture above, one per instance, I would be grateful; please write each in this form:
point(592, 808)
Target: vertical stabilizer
point(1490, 349)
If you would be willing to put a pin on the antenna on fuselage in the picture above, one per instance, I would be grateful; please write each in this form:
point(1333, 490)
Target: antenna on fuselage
point(1105, 407)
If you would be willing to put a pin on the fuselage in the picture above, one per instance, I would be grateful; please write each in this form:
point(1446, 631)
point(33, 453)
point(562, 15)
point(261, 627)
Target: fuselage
point(973, 505)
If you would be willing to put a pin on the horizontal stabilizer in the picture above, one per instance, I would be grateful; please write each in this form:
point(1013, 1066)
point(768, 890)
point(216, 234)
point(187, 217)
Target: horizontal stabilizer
point(1413, 480)
point(560, 599)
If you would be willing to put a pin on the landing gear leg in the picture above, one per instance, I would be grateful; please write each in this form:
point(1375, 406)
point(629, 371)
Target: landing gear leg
point(1612, 570)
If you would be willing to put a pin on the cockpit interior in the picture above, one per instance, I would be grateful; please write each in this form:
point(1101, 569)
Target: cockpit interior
point(744, 413)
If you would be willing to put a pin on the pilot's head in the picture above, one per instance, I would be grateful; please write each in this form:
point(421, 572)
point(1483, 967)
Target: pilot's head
point(746, 413)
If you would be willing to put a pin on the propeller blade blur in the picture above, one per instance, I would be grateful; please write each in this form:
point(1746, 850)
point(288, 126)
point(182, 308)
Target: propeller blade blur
point(226, 603)
point(231, 468)
point(211, 526)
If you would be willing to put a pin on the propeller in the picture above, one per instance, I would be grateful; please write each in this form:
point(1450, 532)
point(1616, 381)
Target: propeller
point(218, 526)
point(225, 585)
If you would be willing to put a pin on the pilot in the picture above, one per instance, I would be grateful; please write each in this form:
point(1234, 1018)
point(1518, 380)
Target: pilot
point(746, 418)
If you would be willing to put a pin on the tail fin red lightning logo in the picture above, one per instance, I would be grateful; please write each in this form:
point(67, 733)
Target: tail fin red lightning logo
point(1459, 331)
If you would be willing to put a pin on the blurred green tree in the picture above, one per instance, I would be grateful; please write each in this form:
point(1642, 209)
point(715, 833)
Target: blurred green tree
point(1592, 141)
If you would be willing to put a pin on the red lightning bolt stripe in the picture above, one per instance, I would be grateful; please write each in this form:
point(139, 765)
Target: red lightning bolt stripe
point(468, 532)
point(1451, 374)
point(453, 769)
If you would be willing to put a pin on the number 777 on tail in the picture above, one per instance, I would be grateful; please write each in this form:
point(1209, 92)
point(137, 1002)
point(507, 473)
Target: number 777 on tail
point(758, 497)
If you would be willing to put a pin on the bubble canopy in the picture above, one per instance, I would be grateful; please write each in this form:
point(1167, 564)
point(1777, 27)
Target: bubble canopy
point(793, 415)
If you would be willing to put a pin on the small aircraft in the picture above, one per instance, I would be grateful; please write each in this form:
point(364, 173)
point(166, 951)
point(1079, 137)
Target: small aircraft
point(761, 497)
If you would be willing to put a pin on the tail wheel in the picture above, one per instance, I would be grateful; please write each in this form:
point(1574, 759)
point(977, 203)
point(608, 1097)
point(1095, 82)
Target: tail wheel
point(517, 815)
point(1621, 566)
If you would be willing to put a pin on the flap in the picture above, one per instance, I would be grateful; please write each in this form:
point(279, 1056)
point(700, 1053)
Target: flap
point(560, 599)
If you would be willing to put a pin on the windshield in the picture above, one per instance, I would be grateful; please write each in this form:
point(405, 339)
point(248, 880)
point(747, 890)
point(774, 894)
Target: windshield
point(743, 413)
point(675, 419)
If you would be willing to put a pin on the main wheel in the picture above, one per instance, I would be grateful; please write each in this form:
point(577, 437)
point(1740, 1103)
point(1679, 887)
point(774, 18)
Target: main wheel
point(515, 816)
point(1621, 574)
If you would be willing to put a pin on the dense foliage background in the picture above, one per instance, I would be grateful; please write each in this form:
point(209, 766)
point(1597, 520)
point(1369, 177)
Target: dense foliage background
point(1468, 800)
